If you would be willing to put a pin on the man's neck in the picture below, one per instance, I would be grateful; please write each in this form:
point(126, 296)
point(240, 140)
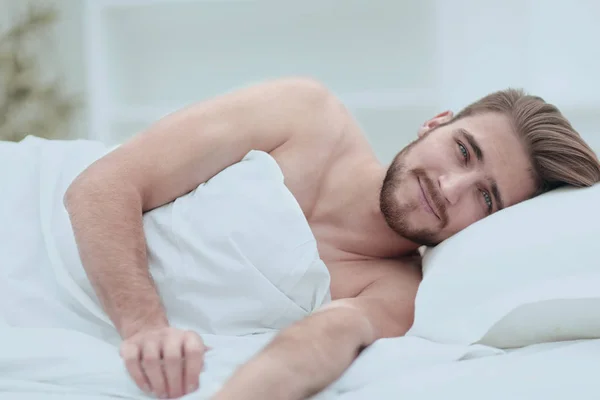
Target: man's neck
point(358, 226)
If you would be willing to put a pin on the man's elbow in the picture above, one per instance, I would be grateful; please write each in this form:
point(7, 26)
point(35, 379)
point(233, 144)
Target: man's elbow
point(93, 188)
point(343, 318)
point(83, 186)
point(75, 191)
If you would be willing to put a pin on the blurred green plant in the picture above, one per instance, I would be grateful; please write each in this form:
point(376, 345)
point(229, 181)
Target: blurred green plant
point(29, 104)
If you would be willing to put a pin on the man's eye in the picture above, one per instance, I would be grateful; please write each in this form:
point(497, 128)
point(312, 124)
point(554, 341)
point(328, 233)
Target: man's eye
point(464, 152)
point(488, 200)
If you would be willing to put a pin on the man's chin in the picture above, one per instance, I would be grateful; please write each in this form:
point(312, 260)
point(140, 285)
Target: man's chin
point(418, 235)
point(422, 237)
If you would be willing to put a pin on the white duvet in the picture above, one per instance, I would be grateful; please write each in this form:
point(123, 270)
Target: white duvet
point(62, 364)
point(234, 260)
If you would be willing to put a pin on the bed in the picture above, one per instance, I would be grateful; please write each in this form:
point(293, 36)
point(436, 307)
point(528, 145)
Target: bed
point(508, 308)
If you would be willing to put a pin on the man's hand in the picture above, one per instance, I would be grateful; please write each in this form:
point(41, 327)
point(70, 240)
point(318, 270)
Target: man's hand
point(309, 355)
point(165, 361)
point(304, 358)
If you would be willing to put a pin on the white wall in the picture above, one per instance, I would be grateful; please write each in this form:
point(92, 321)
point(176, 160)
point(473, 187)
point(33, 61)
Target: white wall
point(545, 46)
point(379, 57)
point(69, 46)
point(396, 61)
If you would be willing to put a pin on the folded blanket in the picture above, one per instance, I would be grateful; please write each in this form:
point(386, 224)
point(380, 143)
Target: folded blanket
point(235, 256)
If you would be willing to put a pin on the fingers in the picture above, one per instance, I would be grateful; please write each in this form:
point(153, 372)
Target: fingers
point(130, 352)
point(173, 365)
point(151, 362)
point(165, 363)
point(193, 349)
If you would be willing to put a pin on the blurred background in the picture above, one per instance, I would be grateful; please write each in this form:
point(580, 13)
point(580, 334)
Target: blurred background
point(106, 69)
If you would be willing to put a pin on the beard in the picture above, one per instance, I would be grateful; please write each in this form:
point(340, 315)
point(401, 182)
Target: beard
point(395, 213)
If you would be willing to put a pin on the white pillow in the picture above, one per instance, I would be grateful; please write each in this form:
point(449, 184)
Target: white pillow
point(525, 275)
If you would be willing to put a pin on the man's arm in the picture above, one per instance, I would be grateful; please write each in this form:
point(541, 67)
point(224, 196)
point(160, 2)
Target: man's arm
point(311, 354)
point(106, 202)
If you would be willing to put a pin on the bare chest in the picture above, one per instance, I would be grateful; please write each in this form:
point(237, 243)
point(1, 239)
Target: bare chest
point(349, 273)
point(307, 175)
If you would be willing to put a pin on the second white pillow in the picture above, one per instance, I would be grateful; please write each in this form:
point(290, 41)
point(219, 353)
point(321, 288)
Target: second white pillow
point(528, 274)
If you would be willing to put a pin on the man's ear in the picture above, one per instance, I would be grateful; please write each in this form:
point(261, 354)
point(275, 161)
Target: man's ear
point(439, 119)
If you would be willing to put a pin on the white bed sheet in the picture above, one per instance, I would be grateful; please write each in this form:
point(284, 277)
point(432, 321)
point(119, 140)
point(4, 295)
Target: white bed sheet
point(54, 363)
point(551, 371)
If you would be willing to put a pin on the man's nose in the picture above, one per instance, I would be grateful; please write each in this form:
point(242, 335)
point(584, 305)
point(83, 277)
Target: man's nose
point(455, 185)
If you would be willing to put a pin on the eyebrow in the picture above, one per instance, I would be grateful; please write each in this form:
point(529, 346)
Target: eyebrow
point(479, 154)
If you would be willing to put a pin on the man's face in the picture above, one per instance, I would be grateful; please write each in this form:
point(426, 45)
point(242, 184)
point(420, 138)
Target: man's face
point(453, 176)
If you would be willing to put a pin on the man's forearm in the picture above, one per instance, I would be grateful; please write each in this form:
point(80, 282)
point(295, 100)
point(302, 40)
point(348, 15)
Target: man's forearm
point(304, 359)
point(108, 229)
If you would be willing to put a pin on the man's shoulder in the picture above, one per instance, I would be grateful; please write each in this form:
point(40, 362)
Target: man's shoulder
point(310, 158)
point(331, 119)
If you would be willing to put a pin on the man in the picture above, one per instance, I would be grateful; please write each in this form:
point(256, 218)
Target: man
point(368, 219)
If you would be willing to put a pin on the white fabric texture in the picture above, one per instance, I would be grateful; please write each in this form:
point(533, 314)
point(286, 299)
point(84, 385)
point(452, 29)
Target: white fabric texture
point(554, 371)
point(221, 273)
point(235, 256)
point(525, 275)
point(60, 364)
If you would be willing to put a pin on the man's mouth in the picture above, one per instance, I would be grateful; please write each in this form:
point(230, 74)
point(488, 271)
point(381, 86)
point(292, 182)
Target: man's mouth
point(427, 200)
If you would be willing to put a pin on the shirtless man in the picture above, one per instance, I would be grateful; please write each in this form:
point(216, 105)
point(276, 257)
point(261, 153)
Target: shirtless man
point(366, 217)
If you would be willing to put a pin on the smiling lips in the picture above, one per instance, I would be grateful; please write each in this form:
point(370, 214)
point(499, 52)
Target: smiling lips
point(427, 203)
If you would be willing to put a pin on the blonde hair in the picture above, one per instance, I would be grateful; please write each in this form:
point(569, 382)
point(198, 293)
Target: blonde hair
point(558, 153)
